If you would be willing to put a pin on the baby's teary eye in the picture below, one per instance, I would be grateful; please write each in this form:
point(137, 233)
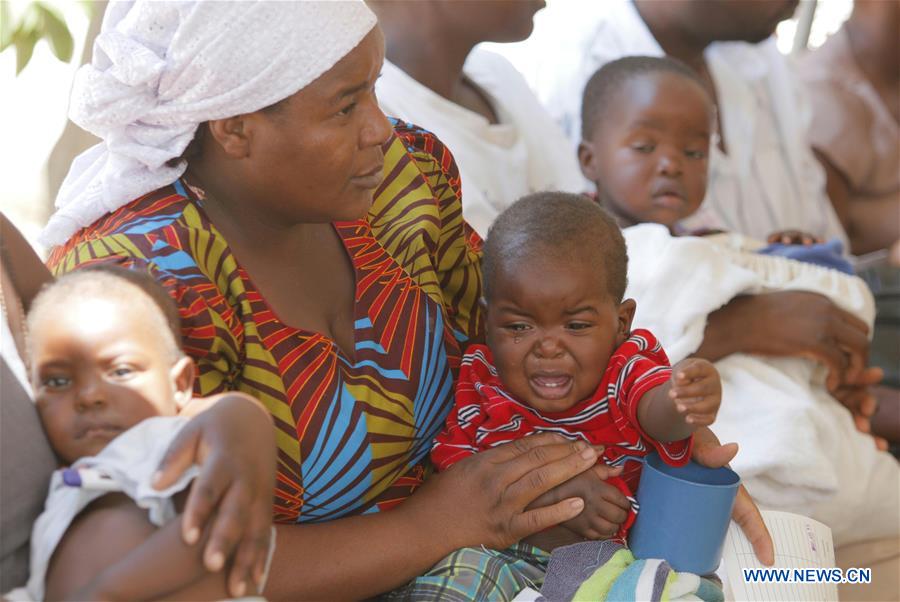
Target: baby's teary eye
point(517, 327)
point(578, 325)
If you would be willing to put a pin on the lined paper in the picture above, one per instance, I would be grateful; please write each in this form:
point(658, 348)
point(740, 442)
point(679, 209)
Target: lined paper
point(800, 542)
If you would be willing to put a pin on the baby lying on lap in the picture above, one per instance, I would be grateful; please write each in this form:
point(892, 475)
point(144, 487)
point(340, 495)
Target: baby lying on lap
point(109, 380)
point(562, 357)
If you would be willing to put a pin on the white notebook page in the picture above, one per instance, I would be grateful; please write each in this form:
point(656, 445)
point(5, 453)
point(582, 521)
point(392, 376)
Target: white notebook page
point(800, 542)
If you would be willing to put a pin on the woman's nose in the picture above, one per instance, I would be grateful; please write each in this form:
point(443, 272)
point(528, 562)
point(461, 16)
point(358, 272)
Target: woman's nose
point(378, 129)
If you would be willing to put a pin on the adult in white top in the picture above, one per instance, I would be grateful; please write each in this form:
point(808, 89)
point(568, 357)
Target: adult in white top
point(763, 176)
point(474, 100)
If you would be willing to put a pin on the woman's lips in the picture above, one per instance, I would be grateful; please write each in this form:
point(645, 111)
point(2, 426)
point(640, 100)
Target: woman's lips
point(371, 178)
point(551, 386)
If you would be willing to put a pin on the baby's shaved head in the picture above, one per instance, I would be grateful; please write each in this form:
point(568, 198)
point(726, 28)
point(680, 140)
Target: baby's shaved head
point(112, 282)
point(601, 90)
point(561, 226)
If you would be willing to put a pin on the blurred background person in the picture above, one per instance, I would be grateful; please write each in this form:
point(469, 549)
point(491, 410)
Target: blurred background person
point(474, 100)
point(763, 176)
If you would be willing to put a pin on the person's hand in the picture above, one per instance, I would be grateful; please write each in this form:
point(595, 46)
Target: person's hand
point(798, 324)
point(696, 390)
point(233, 442)
point(793, 237)
point(894, 254)
point(484, 499)
point(859, 399)
point(709, 452)
point(605, 507)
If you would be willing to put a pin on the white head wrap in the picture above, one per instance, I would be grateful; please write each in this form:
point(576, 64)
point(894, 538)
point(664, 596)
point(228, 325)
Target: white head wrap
point(160, 68)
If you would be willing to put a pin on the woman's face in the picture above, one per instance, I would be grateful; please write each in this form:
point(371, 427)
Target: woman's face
point(317, 156)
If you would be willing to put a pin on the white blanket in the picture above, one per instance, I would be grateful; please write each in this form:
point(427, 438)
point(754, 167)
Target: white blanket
point(799, 449)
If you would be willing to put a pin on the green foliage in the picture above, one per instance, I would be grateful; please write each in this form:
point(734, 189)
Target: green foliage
point(39, 20)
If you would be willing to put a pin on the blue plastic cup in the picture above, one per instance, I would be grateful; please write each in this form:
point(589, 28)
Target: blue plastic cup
point(684, 514)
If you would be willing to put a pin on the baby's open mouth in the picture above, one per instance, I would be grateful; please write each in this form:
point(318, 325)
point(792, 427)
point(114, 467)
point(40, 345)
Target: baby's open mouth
point(551, 385)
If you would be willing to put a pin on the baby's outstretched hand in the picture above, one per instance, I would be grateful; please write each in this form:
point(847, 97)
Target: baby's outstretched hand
point(696, 391)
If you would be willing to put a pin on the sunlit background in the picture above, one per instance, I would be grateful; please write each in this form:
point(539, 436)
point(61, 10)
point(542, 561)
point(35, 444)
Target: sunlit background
point(33, 104)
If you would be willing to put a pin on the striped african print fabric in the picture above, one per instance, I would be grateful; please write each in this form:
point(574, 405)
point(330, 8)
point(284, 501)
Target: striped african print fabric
point(353, 436)
point(486, 415)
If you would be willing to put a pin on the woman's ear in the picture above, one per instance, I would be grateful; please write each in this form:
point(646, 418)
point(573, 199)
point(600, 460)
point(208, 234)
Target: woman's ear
point(183, 374)
point(586, 156)
point(231, 135)
point(626, 316)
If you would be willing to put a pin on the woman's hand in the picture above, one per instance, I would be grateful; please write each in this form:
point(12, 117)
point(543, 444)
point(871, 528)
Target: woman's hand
point(233, 442)
point(790, 323)
point(709, 452)
point(605, 507)
point(860, 400)
point(485, 498)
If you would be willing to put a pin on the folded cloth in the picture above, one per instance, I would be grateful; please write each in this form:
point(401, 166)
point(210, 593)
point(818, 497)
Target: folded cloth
point(607, 570)
point(799, 449)
point(827, 254)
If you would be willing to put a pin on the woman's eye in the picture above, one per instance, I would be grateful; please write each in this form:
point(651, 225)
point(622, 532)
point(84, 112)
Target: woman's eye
point(348, 109)
point(695, 154)
point(644, 147)
point(56, 382)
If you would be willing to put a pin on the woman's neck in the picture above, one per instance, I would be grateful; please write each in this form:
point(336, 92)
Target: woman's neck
point(427, 55)
point(248, 230)
point(671, 37)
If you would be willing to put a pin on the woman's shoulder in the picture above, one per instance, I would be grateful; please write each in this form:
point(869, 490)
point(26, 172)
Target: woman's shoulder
point(164, 227)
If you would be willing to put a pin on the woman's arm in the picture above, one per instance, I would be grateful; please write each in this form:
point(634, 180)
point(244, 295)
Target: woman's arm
point(112, 552)
point(480, 500)
point(871, 224)
point(790, 323)
point(231, 437)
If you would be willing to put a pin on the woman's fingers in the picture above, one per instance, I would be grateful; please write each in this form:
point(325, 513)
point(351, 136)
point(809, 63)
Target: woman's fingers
point(605, 471)
point(709, 452)
point(543, 468)
point(250, 559)
point(747, 516)
point(522, 446)
point(208, 488)
point(532, 463)
point(532, 521)
point(228, 525)
point(179, 456)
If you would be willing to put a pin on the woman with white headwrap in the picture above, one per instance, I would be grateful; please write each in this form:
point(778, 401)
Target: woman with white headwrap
point(320, 262)
point(242, 150)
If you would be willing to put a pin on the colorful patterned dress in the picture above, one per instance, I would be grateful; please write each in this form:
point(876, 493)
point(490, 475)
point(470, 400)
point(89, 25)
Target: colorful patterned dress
point(353, 435)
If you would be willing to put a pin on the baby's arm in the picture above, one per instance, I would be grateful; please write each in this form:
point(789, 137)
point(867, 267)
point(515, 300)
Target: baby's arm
point(688, 400)
point(112, 552)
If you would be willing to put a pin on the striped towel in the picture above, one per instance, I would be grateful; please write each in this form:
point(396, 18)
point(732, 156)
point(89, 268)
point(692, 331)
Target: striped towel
point(606, 570)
